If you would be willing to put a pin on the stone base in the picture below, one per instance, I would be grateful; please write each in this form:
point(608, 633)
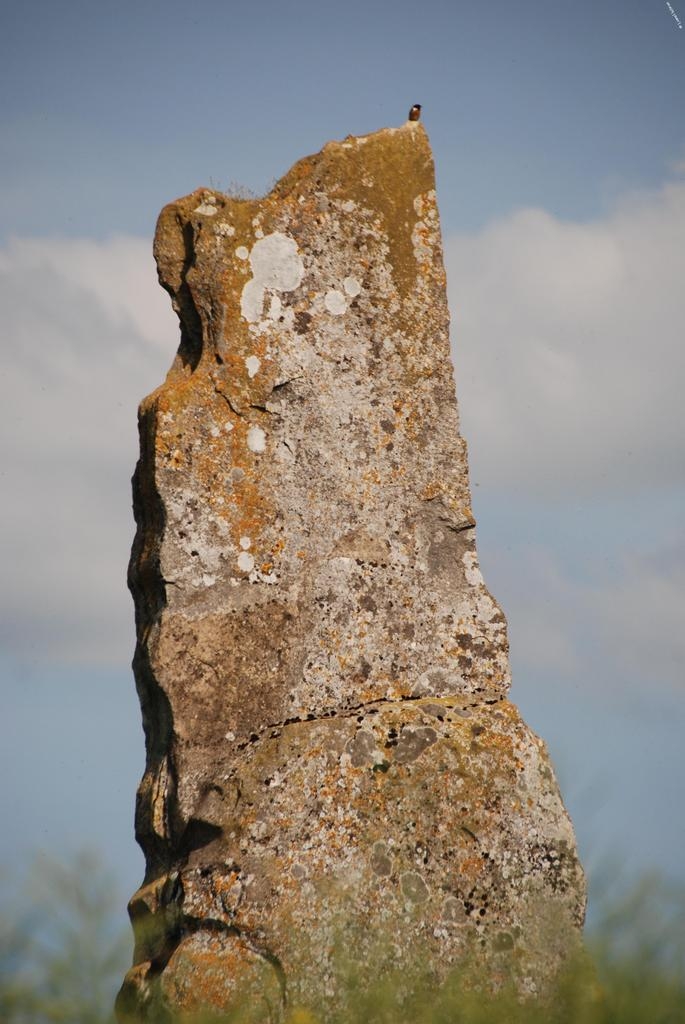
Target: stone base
point(429, 828)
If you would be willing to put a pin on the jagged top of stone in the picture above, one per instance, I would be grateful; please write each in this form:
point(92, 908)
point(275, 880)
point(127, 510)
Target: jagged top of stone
point(385, 170)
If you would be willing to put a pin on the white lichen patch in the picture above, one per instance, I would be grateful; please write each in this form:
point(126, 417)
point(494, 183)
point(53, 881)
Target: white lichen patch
point(197, 555)
point(245, 562)
point(335, 302)
point(225, 230)
point(245, 543)
point(253, 363)
point(256, 440)
point(486, 607)
point(472, 570)
point(352, 286)
point(276, 266)
point(420, 239)
point(425, 235)
point(270, 578)
point(207, 206)
point(242, 252)
point(288, 318)
point(422, 201)
point(207, 209)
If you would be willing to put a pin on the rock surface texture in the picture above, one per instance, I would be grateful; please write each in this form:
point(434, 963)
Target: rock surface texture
point(331, 757)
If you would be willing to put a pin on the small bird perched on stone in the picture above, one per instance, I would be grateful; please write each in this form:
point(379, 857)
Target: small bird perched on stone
point(415, 112)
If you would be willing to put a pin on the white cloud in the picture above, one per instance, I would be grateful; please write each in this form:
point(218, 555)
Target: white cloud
point(118, 275)
point(87, 332)
point(640, 615)
point(568, 347)
point(540, 609)
point(617, 626)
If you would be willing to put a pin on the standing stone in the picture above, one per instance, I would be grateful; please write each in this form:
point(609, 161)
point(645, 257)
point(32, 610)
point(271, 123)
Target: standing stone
point(331, 757)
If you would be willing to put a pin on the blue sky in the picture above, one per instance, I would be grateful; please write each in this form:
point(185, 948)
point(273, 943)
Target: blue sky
point(559, 141)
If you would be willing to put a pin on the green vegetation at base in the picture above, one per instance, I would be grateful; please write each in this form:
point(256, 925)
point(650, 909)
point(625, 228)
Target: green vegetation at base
point(62, 960)
point(61, 954)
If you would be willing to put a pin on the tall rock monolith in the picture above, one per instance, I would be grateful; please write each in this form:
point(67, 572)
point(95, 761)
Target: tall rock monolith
point(332, 761)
